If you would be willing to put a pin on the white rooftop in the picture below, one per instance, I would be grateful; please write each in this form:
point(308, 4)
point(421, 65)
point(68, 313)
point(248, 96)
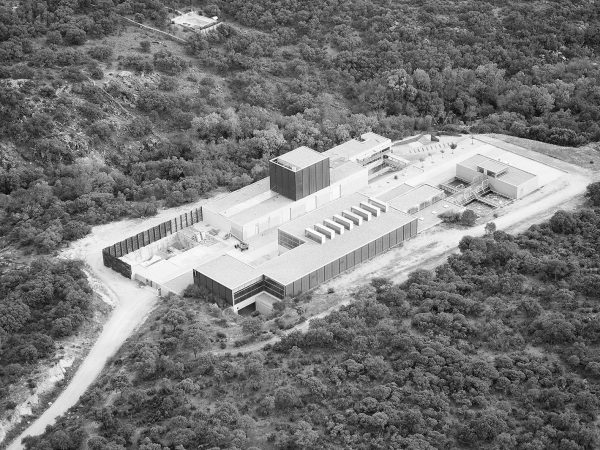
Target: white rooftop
point(513, 175)
point(229, 271)
point(300, 158)
point(356, 147)
point(193, 20)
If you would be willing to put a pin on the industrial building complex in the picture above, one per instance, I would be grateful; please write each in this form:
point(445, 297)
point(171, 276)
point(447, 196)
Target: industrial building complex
point(318, 215)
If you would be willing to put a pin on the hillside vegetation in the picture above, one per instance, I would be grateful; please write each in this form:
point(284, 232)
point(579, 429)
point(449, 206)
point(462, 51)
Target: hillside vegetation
point(84, 143)
point(498, 348)
point(100, 120)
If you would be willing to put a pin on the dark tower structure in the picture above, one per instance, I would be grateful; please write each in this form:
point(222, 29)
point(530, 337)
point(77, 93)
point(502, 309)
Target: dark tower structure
point(299, 173)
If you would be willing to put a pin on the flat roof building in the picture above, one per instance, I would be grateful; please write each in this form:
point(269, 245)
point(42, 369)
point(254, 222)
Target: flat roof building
point(503, 178)
point(306, 264)
point(300, 158)
point(300, 181)
point(299, 173)
point(316, 216)
point(194, 21)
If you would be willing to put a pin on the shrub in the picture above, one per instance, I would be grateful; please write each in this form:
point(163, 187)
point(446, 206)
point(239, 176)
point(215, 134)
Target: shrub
point(100, 52)
point(194, 291)
point(468, 218)
point(450, 216)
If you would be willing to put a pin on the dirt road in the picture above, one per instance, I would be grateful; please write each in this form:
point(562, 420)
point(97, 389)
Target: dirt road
point(132, 305)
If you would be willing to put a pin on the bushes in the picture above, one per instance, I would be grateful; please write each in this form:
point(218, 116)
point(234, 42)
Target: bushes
point(195, 291)
point(467, 218)
point(101, 52)
point(166, 62)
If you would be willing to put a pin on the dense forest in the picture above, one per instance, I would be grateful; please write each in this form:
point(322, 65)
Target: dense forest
point(80, 146)
point(495, 349)
point(100, 121)
point(39, 304)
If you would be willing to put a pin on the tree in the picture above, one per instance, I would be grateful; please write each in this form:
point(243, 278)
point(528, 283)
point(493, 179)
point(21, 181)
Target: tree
point(304, 436)
point(175, 317)
point(490, 228)
point(252, 326)
point(593, 193)
point(145, 46)
point(195, 338)
point(75, 36)
point(468, 218)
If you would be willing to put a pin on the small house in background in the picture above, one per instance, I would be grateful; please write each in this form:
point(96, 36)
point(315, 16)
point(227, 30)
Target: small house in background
point(196, 22)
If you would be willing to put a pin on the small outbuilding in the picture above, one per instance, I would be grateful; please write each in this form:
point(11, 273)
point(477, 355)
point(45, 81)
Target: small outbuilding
point(503, 178)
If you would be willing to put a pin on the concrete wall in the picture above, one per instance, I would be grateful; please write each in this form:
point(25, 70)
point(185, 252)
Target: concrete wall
point(528, 187)
point(354, 182)
point(216, 220)
point(501, 187)
point(465, 173)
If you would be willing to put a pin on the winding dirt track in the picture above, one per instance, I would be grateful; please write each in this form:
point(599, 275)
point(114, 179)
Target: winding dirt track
point(134, 303)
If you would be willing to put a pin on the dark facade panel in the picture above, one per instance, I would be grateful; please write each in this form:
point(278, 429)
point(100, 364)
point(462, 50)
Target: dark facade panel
point(305, 182)
point(290, 184)
point(325, 167)
point(372, 249)
point(297, 287)
point(279, 179)
point(274, 288)
point(342, 262)
point(328, 274)
point(305, 283)
point(320, 175)
point(378, 246)
point(357, 256)
point(392, 238)
point(249, 290)
point(365, 252)
point(320, 275)
point(116, 264)
point(313, 280)
point(406, 231)
point(272, 176)
point(386, 242)
point(289, 290)
point(298, 184)
point(350, 260)
point(312, 178)
point(335, 268)
point(413, 228)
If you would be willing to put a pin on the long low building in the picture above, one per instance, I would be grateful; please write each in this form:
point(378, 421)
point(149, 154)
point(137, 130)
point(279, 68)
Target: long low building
point(313, 250)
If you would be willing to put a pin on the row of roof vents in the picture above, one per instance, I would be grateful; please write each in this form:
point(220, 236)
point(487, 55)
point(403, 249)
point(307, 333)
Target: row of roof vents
point(347, 220)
